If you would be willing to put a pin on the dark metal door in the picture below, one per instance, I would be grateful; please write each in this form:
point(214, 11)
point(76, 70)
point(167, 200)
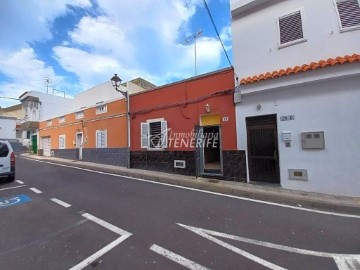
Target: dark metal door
point(263, 149)
point(34, 144)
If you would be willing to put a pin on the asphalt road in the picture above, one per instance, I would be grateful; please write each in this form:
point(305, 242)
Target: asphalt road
point(89, 220)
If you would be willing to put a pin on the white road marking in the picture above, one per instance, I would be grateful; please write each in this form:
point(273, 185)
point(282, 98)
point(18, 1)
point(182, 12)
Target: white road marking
point(177, 258)
point(342, 260)
point(35, 190)
point(123, 235)
point(20, 182)
point(204, 191)
point(64, 204)
point(105, 224)
point(234, 249)
point(13, 187)
point(347, 263)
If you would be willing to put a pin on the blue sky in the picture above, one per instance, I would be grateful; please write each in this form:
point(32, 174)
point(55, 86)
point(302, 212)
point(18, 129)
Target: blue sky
point(81, 43)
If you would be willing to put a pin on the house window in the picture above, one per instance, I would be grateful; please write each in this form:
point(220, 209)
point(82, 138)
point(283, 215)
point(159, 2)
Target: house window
point(49, 123)
point(62, 119)
point(62, 141)
point(349, 14)
point(79, 115)
point(101, 109)
point(101, 138)
point(154, 134)
point(291, 29)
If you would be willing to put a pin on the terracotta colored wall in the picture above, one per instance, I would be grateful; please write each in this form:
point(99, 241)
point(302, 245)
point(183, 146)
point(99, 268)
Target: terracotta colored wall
point(184, 118)
point(115, 126)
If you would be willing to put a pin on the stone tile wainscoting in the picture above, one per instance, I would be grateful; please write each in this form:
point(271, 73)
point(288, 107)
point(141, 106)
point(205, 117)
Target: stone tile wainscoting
point(110, 156)
point(234, 163)
point(163, 161)
point(66, 153)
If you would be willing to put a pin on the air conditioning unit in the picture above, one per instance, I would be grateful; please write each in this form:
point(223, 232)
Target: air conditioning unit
point(179, 164)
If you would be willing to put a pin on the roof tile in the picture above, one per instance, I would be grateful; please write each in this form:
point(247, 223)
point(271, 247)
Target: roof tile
point(297, 69)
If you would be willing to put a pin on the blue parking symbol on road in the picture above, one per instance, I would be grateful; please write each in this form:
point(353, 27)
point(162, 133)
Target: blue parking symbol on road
point(14, 200)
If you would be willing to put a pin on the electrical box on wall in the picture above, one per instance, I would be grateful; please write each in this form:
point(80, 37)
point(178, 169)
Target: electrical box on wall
point(313, 140)
point(286, 136)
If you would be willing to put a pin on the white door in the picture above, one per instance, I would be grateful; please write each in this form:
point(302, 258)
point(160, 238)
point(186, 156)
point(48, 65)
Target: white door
point(46, 145)
point(79, 143)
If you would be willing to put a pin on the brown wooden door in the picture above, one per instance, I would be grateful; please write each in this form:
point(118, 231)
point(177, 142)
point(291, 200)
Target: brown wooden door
point(263, 149)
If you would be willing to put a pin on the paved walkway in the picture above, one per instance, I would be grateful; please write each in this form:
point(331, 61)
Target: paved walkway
point(350, 205)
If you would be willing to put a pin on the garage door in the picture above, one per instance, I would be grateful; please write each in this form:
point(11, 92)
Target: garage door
point(46, 145)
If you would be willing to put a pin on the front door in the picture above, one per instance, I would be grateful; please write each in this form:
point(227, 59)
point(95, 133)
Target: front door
point(46, 145)
point(208, 150)
point(34, 144)
point(79, 143)
point(262, 144)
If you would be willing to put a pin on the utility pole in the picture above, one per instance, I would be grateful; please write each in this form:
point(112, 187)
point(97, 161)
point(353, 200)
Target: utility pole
point(191, 39)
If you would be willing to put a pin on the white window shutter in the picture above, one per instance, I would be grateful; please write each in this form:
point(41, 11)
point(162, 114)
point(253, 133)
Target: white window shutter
point(98, 139)
point(104, 140)
point(164, 134)
point(144, 135)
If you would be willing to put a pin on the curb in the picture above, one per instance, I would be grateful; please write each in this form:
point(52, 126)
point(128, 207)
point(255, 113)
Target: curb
point(314, 201)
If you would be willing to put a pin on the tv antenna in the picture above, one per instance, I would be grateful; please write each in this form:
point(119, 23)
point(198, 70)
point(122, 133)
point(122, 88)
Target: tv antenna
point(47, 82)
point(191, 39)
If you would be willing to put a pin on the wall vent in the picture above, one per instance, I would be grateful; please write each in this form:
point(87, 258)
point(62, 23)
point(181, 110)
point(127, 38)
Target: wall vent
point(298, 174)
point(349, 13)
point(179, 164)
point(291, 28)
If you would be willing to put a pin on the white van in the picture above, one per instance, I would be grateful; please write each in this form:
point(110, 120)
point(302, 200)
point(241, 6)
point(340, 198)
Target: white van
point(7, 161)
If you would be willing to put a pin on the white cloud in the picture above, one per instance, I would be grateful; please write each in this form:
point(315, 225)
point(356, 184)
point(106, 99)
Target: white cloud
point(138, 38)
point(131, 38)
point(23, 22)
point(27, 72)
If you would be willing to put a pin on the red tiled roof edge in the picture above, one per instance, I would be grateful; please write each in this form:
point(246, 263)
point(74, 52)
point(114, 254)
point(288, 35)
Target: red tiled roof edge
point(294, 70)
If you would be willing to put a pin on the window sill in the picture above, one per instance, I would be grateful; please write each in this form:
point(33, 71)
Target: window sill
point(348, 29)
point(155, 149)
point(281, 46)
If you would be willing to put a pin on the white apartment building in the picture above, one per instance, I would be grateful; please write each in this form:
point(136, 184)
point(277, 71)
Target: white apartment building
point(297, 105)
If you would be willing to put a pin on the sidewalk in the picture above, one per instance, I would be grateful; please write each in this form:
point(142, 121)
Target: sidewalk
point(342, 204)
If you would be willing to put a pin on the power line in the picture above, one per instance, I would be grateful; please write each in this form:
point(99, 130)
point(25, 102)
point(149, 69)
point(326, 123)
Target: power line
point(217, 32)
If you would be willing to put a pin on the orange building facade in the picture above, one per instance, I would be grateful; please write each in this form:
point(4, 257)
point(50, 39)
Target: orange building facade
point(188, 127)
point(96, 134)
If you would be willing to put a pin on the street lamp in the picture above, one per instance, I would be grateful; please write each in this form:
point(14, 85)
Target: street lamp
point(116, 81)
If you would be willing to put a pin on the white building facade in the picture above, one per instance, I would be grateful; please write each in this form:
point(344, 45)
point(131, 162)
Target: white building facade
point(39, 107)
point(297, 107)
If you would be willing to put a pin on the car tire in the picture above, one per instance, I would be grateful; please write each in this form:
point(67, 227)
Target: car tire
point(11, 178)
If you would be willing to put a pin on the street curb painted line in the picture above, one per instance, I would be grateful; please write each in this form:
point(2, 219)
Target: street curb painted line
point(123, 236)
point(13, 187)
point(63, 204)
point(20, 182)
point(177, 258)
point(35, 190)
point(239, 197)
